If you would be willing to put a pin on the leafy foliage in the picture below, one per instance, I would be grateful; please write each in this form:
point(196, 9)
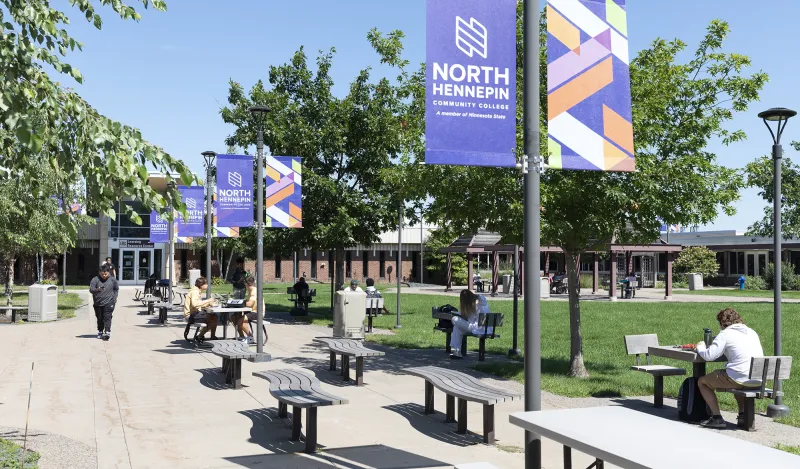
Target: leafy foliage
point(441, 238)
point(789, 280)
point(41, 118)
point(755, 283)
point(760, 174)
point(697, 259)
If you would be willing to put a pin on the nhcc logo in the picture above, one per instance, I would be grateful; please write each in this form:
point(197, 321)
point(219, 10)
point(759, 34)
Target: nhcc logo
point(159, 220)
point(471, 37)
point(191, 204)
point(234, 179)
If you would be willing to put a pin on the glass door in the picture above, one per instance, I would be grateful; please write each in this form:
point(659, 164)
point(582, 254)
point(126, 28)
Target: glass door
point(762, 263)
point(145, 265)
point(751, 265)
point(128, 267)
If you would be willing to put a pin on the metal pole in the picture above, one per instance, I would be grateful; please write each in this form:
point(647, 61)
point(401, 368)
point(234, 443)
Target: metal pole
point(209, 222)
point(64, 274)
point(533, 346)
point(778, 409)
point(294, 266)
point(399, 267)
point(421, 250)
point(260, 243)
point(171, 253)
point(514, 351)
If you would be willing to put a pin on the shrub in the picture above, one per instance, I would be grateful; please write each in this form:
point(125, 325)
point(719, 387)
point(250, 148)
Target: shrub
point(755, 283)
point(697, 259)
point(48, 281)
point(11, 456)
point(216, 281)
point(789, 281)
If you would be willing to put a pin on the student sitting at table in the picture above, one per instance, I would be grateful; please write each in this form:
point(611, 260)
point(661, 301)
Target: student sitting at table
point(193, 312)
point(739, 344)
point(472, 305)
point(242, 320)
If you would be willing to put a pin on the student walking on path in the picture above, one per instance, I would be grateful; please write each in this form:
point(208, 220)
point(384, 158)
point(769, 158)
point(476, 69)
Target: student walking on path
point(105, 290)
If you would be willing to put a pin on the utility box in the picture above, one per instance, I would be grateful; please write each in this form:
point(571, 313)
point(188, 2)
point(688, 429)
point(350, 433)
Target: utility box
point(506, 283)
point(545, 287)
point(42, 303)
point(349, 311)
point(695, 282)
point(194, 274)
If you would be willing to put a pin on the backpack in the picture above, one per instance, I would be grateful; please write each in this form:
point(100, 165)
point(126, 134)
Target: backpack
point(446, 323)
point(691, 405)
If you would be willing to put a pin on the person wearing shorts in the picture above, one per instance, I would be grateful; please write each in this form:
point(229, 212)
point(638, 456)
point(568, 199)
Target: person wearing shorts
point(241, 320)
point(193, 309)
point(739, 344)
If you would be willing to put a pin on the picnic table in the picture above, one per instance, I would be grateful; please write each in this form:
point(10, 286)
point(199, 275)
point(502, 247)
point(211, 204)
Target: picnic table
point(631, 439)
point(676, 353)
point(225, 316)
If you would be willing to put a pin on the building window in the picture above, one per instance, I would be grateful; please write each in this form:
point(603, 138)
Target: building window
point(314, 264)
point(277, 266)
point(348, 264)
point(382, 265)
point(736, 263)
point(365, 264)
point(721, 261)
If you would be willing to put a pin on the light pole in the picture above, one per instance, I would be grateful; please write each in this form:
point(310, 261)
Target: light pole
point(259, 115)
point(171, 245)
point(421, 248)
point(209, 157)
point(781, 116)
point(399, 267)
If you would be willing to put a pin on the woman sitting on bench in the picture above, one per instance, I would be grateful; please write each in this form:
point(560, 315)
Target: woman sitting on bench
point(472, 305)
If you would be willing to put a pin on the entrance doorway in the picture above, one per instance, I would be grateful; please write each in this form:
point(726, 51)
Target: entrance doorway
point(137, 265)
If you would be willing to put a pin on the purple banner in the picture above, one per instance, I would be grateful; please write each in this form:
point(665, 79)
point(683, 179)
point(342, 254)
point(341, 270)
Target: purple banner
point(234, 203)
point(470, 113)
point(195, 214)
point(159, 228)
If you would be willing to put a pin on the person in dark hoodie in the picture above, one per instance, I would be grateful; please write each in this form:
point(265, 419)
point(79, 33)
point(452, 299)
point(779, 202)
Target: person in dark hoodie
point(104, 289)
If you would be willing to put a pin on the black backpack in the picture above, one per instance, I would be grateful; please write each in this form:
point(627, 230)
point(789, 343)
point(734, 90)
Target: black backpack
point(691, 405)
point(446, 323)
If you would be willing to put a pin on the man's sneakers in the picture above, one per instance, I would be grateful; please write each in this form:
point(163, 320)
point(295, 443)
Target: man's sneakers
point(99, 335)
point(456, 355)
point(715, 421)
point(107, 335)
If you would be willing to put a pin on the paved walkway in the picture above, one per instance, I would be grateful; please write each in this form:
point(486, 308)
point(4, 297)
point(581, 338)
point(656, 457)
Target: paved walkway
point(145, 400)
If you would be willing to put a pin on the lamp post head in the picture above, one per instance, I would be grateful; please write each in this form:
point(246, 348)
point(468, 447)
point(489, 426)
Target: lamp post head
point(259, 113)
point(209, 156)
point(781, 115)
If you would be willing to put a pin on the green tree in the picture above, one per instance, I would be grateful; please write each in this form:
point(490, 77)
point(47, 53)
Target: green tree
point(441, 238)
point(678, 108)
point(349, 145)
point(38, 116)
point(760, 175)
point(224, 249)
point(697, 259)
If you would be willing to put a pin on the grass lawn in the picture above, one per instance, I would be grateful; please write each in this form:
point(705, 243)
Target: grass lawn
point(788, 449)
point(11, 455)
point(67, 303)
point(794, 295)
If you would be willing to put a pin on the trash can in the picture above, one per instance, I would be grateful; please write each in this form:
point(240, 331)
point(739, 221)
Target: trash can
point(695, 282)
point(349, 311)
point(545, 287)
point(42, 303)
point(506, 283)
point(194, 274)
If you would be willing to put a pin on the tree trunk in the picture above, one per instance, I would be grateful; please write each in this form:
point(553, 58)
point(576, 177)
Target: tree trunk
point(576, 367)
point(10, 277)
point(339, 272)
point(219, 262)
point(228, 266)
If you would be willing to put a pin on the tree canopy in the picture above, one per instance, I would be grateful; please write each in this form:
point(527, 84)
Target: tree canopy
point(760, 174)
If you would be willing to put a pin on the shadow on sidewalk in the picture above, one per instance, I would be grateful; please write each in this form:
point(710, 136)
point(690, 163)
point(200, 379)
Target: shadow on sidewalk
point(214, 378)
point(434, 425)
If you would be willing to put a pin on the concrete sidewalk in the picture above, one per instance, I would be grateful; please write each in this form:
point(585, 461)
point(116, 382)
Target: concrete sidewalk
point(146, 400)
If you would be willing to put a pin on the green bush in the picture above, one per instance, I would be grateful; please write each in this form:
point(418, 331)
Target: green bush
point(586, 280)
point(48, 281)
point(755, 283)
point(216, 281)
point(697, 259)
point(789, 281)
point(11, 453)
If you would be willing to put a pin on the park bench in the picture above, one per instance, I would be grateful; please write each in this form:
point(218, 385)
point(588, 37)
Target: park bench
point(638, 345)
point(456, 384)
point(301, 391)
point(349, 348)
point(232, 353)
point(475, 465)
point(762, 369)
point(301, 301)
point(15, 310)
point(374, 308)
point(485, 320)
point(163, 307)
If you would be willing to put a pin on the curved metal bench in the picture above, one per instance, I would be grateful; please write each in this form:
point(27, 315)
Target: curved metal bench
point(456, 384)
point(349, 348)
point(232, 353)
point(301, 391)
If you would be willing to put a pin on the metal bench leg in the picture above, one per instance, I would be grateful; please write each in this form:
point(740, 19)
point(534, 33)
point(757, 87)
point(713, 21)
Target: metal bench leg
point(567, 457)
point(750, 414)
point(333, 361)
point(448, 335)
point(428, 398)
point(236, 373)
point(297, 422)
point(488, 424)
point(225, 365)
point(282, 410)
point(482, 349)
point(345, 367)
point(369, 322)
point(462, 416)
point(359, 371)
point(311, 430)
point(451, 409)
point(464, 346)
point(658, 392)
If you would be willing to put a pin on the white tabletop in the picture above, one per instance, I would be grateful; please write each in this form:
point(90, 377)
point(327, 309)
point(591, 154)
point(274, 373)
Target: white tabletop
point(631, 439)
point(220, 309)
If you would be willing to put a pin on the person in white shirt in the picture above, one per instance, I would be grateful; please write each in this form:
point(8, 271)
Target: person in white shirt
point(354, 286)
point(739, 344)
point(472, 305)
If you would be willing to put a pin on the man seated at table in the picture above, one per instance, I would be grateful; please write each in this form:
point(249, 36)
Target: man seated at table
point(739, 344)
point(300, 285)
point(193, 309)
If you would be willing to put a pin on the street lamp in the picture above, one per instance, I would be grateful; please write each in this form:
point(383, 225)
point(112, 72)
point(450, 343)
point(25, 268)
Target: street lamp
point(781, 116)
point(171, 243)
point(209, 157)
point(260, 116)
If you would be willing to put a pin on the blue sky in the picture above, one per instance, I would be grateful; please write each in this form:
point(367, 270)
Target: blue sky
point(168, 75)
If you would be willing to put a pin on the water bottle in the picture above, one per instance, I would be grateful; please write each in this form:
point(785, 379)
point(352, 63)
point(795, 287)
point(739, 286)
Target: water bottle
point(707, 336)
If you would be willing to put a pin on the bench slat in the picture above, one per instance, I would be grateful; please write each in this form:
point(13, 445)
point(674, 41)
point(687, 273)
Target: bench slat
point(349, 347)
point(462, 385)
point(298, 389)
point(233, 349)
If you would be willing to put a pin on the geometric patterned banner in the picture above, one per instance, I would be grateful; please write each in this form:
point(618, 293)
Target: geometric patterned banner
point(284, 197)
point(589, 86)
point(223, 231)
